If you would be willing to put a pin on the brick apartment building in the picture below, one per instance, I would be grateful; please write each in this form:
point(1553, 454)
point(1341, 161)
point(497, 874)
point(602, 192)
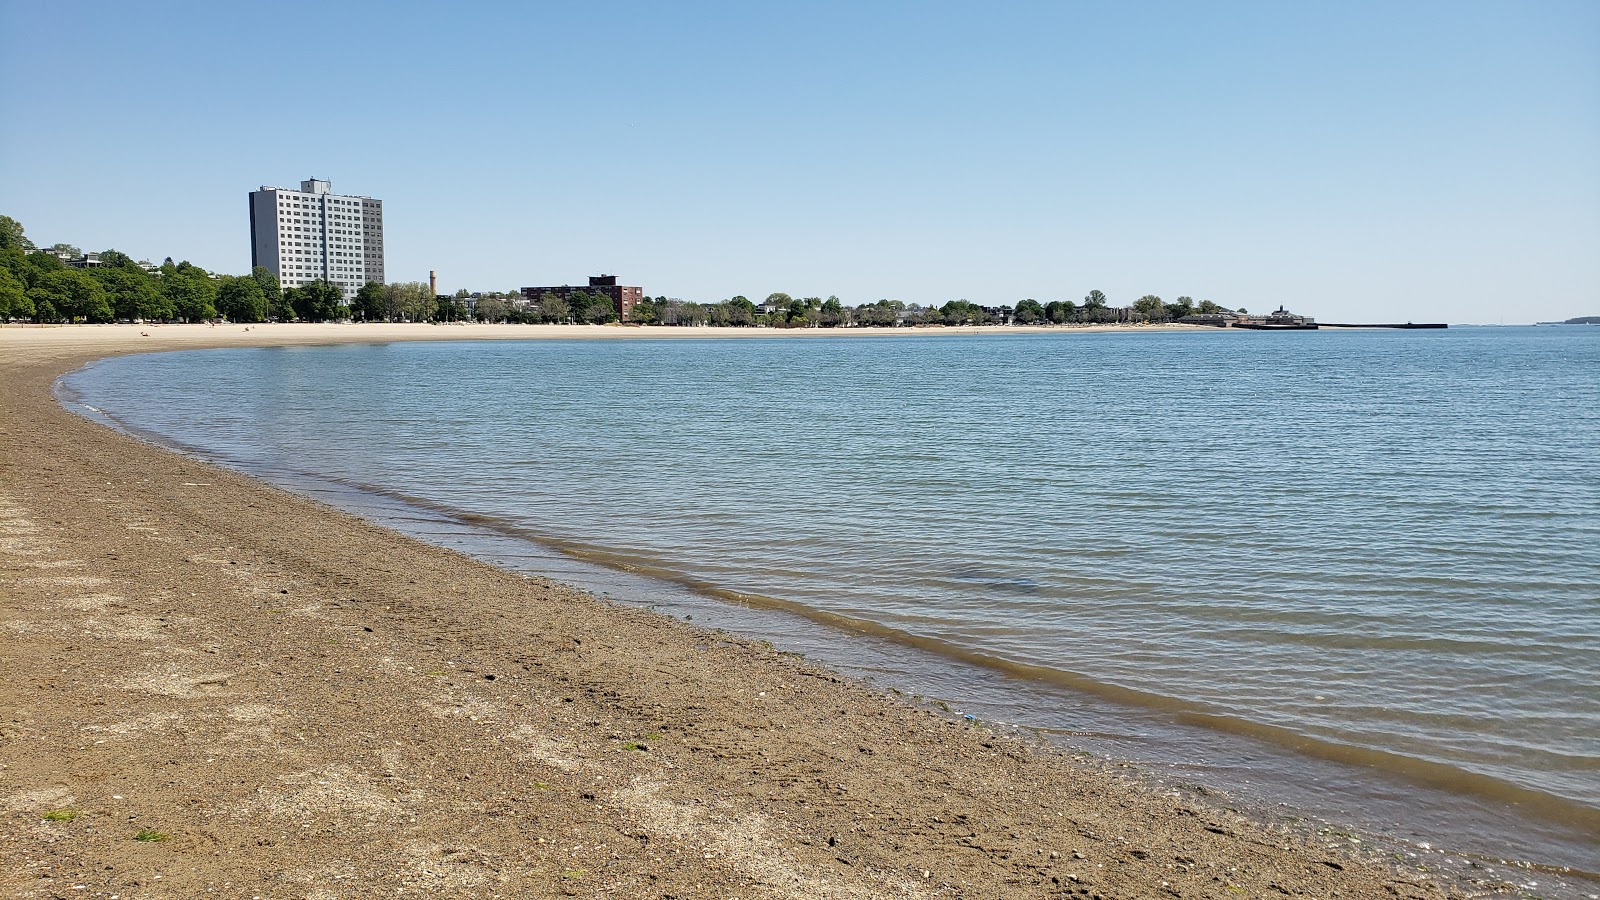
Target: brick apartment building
point(623, 296)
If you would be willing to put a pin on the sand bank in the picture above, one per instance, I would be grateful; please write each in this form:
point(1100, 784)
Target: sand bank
point(306, 705)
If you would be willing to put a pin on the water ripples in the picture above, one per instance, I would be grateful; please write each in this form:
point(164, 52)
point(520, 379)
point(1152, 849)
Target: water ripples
point(1375, 540)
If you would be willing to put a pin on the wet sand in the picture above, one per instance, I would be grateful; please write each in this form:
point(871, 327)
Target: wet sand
point(302, 704)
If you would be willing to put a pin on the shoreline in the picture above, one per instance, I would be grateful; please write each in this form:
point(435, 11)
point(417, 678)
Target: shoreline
point(186, 634)
point(301, 333)
point(1447, 805)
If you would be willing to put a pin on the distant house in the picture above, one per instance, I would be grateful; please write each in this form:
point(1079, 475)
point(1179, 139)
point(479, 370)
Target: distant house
point(1279, 318)
point(623, 297)
point(1282, 317)
point(92, 260)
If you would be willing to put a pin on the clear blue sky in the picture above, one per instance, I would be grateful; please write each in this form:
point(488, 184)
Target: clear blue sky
point(1412, 160)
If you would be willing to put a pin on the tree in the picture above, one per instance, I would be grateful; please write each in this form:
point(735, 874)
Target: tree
point(117, 259)
point(133, 294)
point(805, 312)
point(14, 302)
point(318, 301)
point(493, 309)
point(72, 294)
point(65, 248)
point(291, 303)
point(834, 315)
point(553, 308)
point(271, 290)
point(741, 311)
point(883, 314)
point(960, 312)
point(369, 304)
point(191, 290)
point(643, 312)
point(1095, 300)
point(451, 309)
point(1150, 307)
point(1206, 307)
point(12, 237)
point(241, 300)
point(596, 308)
point(40, 261)
point(1029, 312)
point(1179, 308)
point(1061, 312)
point(410, 301)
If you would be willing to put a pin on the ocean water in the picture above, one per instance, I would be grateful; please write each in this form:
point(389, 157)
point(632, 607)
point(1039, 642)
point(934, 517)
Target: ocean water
point(1372, 551)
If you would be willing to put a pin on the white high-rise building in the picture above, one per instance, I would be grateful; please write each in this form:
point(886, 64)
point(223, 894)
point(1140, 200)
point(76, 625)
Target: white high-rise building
point(314, 233)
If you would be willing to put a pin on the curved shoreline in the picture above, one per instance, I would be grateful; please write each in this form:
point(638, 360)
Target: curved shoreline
point(267, 679)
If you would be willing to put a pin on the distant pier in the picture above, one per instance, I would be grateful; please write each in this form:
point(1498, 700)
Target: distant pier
point(1389, 325)
point(1282, 319)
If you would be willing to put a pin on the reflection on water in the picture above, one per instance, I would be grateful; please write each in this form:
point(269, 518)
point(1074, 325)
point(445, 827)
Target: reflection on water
point(1371, 547)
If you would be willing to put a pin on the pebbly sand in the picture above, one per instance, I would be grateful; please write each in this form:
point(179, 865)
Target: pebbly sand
point(306, 705)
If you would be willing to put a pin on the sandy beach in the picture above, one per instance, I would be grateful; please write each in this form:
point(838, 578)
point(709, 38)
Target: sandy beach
point(214, 687)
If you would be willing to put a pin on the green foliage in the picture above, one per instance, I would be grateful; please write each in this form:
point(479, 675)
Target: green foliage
point(595, 309)
point(1151, 307)
point(241, 300)
point(71, 294)
point(960, 312)
point(1061, 312)
point(191, 291)
point(410, 301)
point(150, 835)
point(12, 236)
point(643, 312)
point(14, 302)
point(118, 259)
point(133, 294)
point(61, 815)
point(554, 309)
point(1095, 300)
point(741, 312)
point(370, 303)
point(833, 314)
point(1030, 312)
point(882, 314)
point(317, 301)
point(449, 309)
point(45, 262)
point(273, 292)
point(1179, 308)
point(493, 309)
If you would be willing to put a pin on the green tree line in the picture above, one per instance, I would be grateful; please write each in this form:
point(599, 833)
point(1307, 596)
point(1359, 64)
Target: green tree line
point(37, 286)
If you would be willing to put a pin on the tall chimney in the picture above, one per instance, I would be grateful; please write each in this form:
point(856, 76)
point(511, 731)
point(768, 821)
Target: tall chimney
point(433, 283)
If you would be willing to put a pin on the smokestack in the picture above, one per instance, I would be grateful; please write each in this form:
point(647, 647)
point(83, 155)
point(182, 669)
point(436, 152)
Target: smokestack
point(433, 283)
